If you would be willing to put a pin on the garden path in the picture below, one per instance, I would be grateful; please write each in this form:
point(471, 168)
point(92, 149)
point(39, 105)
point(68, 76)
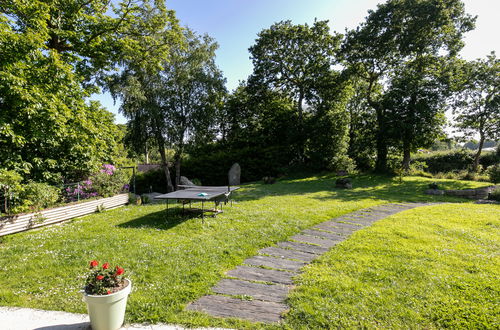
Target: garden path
point(258, 294)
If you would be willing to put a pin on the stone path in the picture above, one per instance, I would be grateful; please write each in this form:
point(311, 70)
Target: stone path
point(257, 290)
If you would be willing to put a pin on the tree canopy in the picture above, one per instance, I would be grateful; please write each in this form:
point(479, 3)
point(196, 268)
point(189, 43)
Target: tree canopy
point(53, 56)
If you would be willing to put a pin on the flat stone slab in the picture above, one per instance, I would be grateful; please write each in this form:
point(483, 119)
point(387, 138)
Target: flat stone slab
point(261, 274)
point(336, 223)
point(338, 230)
point(252, 310)
point(327, 243)
point(276, 263)
point(315, 249)
point(266, 292)
point(322, 234)
point(288, 254)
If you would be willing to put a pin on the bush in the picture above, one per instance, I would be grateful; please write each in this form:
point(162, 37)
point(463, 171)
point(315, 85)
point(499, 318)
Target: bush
point(109, 181)
point(37, 196)
point(146, 182)
point(494, 173)
point(212, 167)
point(455, 160)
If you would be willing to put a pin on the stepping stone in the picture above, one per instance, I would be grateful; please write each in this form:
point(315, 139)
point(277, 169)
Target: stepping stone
point(261, 274)
point(338, 230)
point(252, 310)
point(275, 293)
point(315, 249)
point(327, 243)
point(335, 223)
point(289, 254)
point(322, 234)
point(277, 263)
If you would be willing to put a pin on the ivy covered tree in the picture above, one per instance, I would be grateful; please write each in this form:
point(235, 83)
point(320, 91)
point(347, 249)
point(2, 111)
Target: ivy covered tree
point(54, 54)
point(477, 105)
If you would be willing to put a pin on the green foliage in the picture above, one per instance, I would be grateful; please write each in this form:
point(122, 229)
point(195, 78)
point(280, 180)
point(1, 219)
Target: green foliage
point(37, 196)
point(454, 160)
point(151, 181)
point(477, 105)
point(107, 184)
point(493, 172)
point(394, 39)
point(10, 186)
point(297, 61)
point(53, 56)
point(256, 162)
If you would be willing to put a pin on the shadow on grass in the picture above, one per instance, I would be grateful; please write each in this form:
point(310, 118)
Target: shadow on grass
point(374, 187)
point(163, 220)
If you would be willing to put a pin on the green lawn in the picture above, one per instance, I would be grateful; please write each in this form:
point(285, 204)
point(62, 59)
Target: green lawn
point(369, 280)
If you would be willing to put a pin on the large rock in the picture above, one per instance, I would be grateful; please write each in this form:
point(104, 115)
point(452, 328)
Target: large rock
point(234, 175)
point(185, 181)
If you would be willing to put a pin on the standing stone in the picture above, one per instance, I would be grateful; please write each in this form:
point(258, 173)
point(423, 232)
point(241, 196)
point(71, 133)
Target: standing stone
point(234, 175)
point(185, 181)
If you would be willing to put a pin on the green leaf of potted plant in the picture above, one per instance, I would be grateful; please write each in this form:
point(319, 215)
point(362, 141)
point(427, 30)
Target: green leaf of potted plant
point(106, 292)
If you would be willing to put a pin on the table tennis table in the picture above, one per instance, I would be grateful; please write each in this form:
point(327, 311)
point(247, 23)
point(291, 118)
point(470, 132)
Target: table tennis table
point(188, 194)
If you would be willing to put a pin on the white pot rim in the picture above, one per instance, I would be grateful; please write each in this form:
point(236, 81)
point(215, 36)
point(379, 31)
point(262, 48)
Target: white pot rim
point(106, 298)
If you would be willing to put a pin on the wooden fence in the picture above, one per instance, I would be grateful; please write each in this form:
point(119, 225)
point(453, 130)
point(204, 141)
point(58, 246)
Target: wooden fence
point(22, 222)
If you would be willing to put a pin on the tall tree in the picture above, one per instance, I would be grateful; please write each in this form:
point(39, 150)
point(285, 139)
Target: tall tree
point(295, 59)
point(415, 101)
point(477, 106)
point(52, 56)
point(191, 89)
point(396, 32)
point(178, 103)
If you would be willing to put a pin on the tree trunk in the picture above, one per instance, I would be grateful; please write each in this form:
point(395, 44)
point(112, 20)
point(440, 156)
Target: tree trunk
point(164, 164)
point(177, 162)
point(475, 165)
point(382, 150)
point(301, 128)
point(406, 156)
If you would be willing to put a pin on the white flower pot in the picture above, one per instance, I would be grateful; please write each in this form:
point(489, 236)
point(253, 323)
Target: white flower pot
point(107, 312)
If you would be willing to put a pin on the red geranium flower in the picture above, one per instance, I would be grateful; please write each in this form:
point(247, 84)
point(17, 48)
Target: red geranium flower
point(105, 266)
point(94, 263)
point(99, 277)
point(119, 270)
point(109, 291)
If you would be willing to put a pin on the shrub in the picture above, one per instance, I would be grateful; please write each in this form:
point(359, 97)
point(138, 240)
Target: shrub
point(494, 173)
point(150, 181)
point(109, 181)
point(10, 187)
point(455, 160)
point(38, 196)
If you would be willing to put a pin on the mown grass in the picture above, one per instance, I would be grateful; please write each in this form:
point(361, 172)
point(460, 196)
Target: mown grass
point(430, 267)
point(174, 259)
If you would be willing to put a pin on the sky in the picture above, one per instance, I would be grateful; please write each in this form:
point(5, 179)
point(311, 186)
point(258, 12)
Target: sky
point(234, 24)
